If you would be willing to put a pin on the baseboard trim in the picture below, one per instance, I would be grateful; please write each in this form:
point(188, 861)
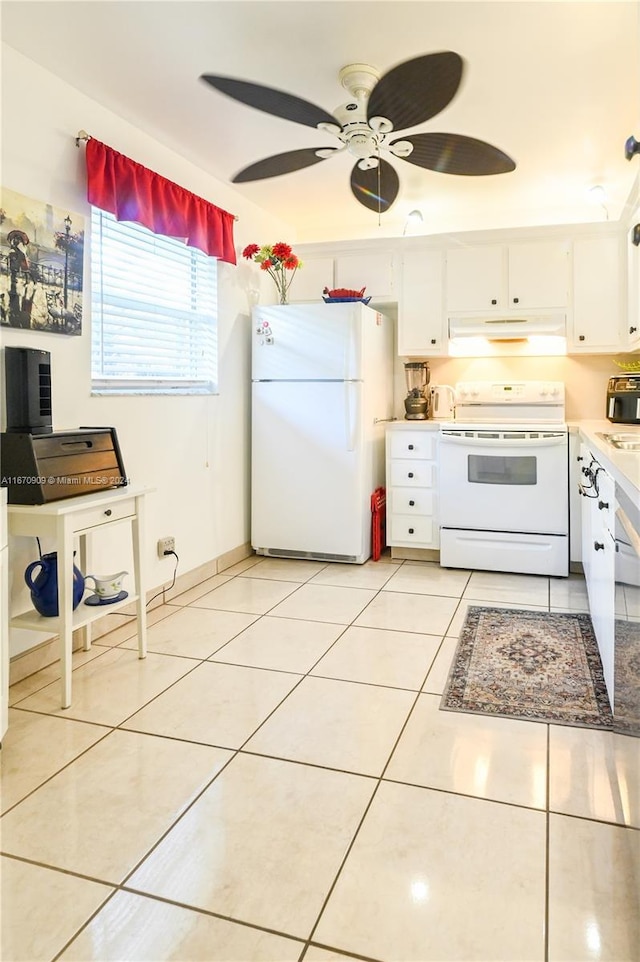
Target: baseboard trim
point(415, 554)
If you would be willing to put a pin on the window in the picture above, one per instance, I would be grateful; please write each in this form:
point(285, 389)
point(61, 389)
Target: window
point(153, 312)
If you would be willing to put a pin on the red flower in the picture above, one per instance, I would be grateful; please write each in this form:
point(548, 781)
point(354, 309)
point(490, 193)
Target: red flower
point(250, 250)
point(291, 262)
point(282, 251)
point(266, 265)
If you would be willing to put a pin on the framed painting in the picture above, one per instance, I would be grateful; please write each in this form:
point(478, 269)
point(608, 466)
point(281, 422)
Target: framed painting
point(41, 265)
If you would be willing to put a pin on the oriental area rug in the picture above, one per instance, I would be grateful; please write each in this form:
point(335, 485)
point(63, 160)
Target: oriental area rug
point(531, 665)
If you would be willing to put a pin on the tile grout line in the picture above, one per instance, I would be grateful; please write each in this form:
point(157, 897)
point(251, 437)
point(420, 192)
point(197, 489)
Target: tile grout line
point(118, 727)
point(122, 885)
point(237, 751)
point(361, 822)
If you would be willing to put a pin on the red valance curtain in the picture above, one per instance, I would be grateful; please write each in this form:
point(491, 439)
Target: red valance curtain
point(132, 192)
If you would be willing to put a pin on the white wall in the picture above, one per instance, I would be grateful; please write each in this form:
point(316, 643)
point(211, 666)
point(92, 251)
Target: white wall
point(585, 378)
point(194, 451)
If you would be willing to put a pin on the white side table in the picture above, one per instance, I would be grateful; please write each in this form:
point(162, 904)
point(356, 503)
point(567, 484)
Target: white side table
point(82, 516)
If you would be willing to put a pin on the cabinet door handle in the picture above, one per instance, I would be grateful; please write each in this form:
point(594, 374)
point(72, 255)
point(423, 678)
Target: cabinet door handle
point(411, 447)
point(579, 458)
point(598, 546)
point(108, 512)
point(412, 504)
point(433, 340)
point(410, 474)
point(494, 300)
point(410, 530)
point(516, 300)
point(581, 337)
point(603, 504)
point(632, 330)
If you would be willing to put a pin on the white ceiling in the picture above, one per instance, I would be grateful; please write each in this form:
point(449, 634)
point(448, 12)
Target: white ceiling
point(555, 85)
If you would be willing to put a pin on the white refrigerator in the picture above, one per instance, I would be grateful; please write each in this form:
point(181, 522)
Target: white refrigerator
point(322, 390)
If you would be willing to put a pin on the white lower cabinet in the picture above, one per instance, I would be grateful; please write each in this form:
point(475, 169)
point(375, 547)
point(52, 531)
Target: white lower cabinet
point(412, 500)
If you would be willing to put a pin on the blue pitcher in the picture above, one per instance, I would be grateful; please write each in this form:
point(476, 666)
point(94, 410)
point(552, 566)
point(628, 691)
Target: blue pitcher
point(44, 587)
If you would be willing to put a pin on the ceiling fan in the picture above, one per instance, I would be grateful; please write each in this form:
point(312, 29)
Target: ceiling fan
point(407, 95)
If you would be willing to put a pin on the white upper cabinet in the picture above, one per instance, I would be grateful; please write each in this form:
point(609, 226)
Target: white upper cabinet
point(373, 270)
point(508, 277)
point(539, 275)
point(311, 279)
point(632, 340)
point(598, 296)
point(421, 320)
point(476, 278)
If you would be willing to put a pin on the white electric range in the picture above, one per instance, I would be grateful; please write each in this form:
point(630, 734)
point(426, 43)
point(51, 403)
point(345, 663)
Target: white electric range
point(504, 478)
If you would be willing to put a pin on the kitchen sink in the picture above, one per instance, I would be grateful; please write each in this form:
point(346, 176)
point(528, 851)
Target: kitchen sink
point(624, 442)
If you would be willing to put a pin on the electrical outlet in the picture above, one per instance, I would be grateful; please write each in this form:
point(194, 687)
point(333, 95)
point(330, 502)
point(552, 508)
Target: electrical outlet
point(165, 546)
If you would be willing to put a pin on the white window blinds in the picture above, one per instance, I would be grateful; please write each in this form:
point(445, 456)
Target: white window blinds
point(153, 312)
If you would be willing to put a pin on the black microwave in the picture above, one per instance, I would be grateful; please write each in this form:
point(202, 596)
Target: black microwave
point(623, 399)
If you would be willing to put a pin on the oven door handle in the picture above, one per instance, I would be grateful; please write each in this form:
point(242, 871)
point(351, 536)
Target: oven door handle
point(548, 442)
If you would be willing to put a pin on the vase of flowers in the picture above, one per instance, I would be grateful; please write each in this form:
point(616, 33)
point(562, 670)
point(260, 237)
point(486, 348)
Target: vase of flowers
point(279, 261)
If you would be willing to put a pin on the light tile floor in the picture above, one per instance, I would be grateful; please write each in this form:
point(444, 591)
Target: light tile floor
point(275, 782)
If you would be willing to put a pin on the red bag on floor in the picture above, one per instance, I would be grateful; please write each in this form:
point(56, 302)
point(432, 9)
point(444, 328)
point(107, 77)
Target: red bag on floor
point(378, 522)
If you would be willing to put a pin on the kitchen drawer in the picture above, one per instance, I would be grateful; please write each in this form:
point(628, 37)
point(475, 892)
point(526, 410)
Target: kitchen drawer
point(94, 517)
point(408, 473)
point(406, 530)
point(413, 444)
point(411, 501)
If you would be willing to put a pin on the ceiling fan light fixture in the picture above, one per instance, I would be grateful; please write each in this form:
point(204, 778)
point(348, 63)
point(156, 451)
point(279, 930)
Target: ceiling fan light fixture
point(367, 163)
point(381, 125)
point(325, 152)
point(332, 129)
point(401, 148)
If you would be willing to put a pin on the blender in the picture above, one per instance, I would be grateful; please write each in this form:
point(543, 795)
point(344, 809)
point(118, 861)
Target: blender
point(416, 403)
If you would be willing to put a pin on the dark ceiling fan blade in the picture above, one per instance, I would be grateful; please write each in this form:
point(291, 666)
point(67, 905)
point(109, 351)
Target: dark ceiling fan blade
point(280, 164)
point(376, 188)
point(456, 154)
point(271, 101)
point(416, 90)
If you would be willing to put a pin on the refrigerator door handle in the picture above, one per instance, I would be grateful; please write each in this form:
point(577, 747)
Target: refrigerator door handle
point(350, 352)
point(349, 421)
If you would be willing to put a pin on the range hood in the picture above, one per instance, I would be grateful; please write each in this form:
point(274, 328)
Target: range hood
point(508, 328)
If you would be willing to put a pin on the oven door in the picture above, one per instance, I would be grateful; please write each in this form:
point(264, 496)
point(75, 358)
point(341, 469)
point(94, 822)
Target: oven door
point(514, 481)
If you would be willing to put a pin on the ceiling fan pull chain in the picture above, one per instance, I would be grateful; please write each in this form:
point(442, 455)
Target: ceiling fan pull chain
point(379, 191)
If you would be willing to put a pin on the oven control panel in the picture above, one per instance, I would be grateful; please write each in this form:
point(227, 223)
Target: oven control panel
point(510, 392)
